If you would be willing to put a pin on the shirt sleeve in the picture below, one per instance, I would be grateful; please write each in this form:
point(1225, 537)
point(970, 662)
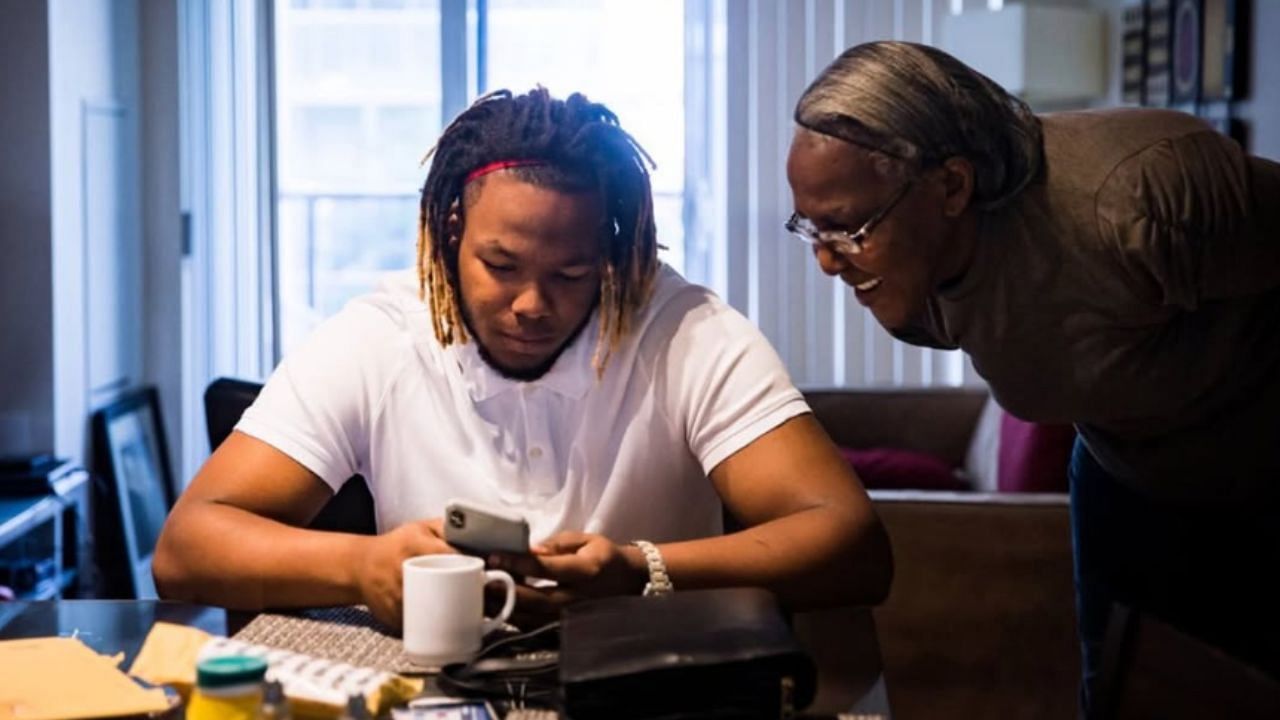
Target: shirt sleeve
point(1195, 219)
point(318, 405)
point(718, 376)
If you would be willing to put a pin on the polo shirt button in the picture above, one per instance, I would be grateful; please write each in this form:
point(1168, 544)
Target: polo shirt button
point(535, 452)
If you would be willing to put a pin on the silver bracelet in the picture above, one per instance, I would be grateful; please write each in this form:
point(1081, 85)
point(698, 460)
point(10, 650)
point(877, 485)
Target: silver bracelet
point(659, 581)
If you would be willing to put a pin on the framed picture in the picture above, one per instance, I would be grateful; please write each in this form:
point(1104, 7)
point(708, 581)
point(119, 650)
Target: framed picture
point(132, 463)
point(1185, 54)
point(1133, 66)
point(1158, 47)
point(1225, 23)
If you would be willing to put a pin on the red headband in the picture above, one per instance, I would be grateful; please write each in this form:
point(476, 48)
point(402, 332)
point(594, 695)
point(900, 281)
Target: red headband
point(499, 165)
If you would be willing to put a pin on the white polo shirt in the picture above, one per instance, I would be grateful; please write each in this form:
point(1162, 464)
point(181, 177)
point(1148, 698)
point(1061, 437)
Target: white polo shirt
point(373, 392)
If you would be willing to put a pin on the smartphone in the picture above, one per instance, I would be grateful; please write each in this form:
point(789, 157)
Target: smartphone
point(443, 708)
point(476, 529)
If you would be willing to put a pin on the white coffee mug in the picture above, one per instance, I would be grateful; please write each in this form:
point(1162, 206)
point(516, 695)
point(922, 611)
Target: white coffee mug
point(444, 607)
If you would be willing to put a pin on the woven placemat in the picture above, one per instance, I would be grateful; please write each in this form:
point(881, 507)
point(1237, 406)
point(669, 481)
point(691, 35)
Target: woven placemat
point(343, 634)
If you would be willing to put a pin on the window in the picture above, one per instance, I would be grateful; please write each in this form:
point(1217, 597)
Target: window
point(628, 55)
point(358, 103)
point(361, 97)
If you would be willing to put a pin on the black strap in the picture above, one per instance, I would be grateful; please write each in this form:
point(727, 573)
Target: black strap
point(519, 670)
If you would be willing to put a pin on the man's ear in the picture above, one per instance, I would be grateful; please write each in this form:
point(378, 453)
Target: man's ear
point(957, 183)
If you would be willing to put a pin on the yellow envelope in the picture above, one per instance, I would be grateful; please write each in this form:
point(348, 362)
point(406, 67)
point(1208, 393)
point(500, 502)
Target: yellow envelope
point(169, 656)
point(57, 677)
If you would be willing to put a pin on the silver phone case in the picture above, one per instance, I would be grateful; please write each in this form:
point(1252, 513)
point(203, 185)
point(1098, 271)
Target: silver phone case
point(470, 527)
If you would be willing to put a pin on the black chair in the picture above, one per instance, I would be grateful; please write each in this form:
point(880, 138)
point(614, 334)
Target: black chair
point(349, 511)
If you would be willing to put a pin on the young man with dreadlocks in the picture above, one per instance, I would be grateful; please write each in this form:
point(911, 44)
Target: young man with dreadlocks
point(541, 360)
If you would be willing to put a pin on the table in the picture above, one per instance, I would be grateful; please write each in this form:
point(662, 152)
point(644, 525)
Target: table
point(106, 626)
point(111, 626)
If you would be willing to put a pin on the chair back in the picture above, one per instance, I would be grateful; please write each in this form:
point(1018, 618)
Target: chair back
point(225, 400)
point(350, 510)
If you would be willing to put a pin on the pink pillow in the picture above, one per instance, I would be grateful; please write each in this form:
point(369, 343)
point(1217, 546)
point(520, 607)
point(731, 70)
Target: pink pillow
point(1033, 456)
point(893, 469)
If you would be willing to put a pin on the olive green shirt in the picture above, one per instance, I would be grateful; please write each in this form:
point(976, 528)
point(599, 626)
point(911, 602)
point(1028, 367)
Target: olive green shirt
point(1134, 289)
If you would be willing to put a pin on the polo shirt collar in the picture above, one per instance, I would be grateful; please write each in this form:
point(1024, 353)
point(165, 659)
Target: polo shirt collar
point(571, 375)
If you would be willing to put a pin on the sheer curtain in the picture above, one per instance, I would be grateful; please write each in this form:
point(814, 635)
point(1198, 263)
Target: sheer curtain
point(772, 51)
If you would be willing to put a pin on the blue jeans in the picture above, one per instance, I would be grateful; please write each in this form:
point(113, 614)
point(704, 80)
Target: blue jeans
point(1211, 571)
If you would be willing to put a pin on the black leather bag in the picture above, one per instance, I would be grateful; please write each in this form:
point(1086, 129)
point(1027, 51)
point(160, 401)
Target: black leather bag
point(726, 653)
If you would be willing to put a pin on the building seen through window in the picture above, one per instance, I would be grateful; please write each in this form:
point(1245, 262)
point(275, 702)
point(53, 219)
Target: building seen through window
point(359, 102)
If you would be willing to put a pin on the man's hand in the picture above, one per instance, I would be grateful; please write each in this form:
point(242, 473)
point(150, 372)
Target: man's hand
point(380, 573)
point(581, 564)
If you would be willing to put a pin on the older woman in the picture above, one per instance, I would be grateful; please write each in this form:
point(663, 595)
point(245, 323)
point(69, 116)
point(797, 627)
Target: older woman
point(1116, 269)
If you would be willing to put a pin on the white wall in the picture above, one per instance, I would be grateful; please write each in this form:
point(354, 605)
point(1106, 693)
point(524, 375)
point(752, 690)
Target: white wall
point(85, 248)
point(162, 216)
point(26, 316)
point(96, 228)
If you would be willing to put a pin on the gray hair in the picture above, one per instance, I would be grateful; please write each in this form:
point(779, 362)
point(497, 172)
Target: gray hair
point(920, 105)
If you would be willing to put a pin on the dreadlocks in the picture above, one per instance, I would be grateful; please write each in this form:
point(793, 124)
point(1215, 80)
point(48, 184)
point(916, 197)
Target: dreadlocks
point(571, 145)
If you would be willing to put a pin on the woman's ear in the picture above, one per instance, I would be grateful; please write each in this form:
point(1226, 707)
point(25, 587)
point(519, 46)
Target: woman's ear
point(957, 183)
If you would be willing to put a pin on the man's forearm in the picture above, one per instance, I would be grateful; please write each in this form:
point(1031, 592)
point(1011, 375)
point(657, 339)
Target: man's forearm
point(813, 558)
point(226, 556)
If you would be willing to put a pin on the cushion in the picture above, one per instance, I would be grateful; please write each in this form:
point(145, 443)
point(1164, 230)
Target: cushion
point(983, 456)
point(1033, 456)
point(894, 469)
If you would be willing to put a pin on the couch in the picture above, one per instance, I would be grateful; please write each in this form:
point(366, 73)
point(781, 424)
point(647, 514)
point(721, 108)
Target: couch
point(980, 621)
point(944, 439)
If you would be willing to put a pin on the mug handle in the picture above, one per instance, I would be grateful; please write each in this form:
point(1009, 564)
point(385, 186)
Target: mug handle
point(490, 624)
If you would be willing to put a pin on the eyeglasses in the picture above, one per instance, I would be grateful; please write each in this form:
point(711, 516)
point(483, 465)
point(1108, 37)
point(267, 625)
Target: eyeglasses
point(843, 241)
